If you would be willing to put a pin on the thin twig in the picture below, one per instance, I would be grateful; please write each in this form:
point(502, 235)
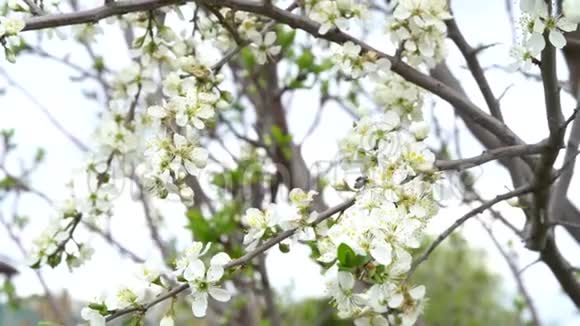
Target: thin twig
point(490, 155)
point(514, 269)
point(480, 209)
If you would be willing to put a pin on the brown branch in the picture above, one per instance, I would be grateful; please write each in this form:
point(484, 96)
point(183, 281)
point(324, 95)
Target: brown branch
point(96, 14)
point(514, 269)
point(409, 73)
point(34, 8)
point(296, 21)
point(271, 309)
point(559, 194)
point(536, 229)
point(562, 269)
point(470, 55)
point(478, 210)
point(490, 155)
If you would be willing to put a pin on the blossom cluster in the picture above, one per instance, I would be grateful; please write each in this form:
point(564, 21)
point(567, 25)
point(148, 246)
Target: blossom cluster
point(149, 281)
point(145, 282)
point(355, 64)
point(385, 225)
point(94, 189)
point(393, 93)
point(418, 29)
point(192, 96)
point(537, 21)
point(335, 13)
point(9, 38)
point(263, 224)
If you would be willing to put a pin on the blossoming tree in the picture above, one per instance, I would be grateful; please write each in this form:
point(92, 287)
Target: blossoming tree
point(200, 68)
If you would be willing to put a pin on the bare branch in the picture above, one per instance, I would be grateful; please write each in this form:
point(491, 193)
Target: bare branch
point(480, 209)
point(470, 55)
point(559, 194)
point(536, 225)
point(562, 269)
point(272, 310)
point(493, 154)
point(514, 269)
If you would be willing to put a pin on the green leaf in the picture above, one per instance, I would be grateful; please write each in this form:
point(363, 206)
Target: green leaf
point(100, 308)
point(248, 58)
point(280, 137)
point(306, 60)
point(99, 64)
point(10, 55)
point(39, 155)
point(223, 222)
point(348, 259)
point(54, 259)
point(325, 65)
point(138, 42)
point(324, 88)
point(296, 84)
point(346, 256)
point(284, 248)
point(200, 227)
point(285, 38)
point(10, 293)
point(8, 183)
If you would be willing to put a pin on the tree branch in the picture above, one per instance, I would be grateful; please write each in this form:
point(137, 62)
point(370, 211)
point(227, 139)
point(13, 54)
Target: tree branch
point(478, 210)
point(514, 269)
point(470, 55)
point(493, 154)
point(536, 225)
point(295, 21)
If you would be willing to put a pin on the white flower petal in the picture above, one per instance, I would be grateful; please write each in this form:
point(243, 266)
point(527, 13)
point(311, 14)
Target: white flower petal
point(220, 259)
point(418, 292)
point(194, 271)
point(270, 38)
point(557, 39)
point(199, 304)
point(396, 300)
point(220, 294)
point(382, 253)
point(215, 273)
point(346, 280)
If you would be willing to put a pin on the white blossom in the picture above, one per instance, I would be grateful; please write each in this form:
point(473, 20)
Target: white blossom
point(10, 26)
point(203, 282)
point(258, 222)
point(263, 46)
